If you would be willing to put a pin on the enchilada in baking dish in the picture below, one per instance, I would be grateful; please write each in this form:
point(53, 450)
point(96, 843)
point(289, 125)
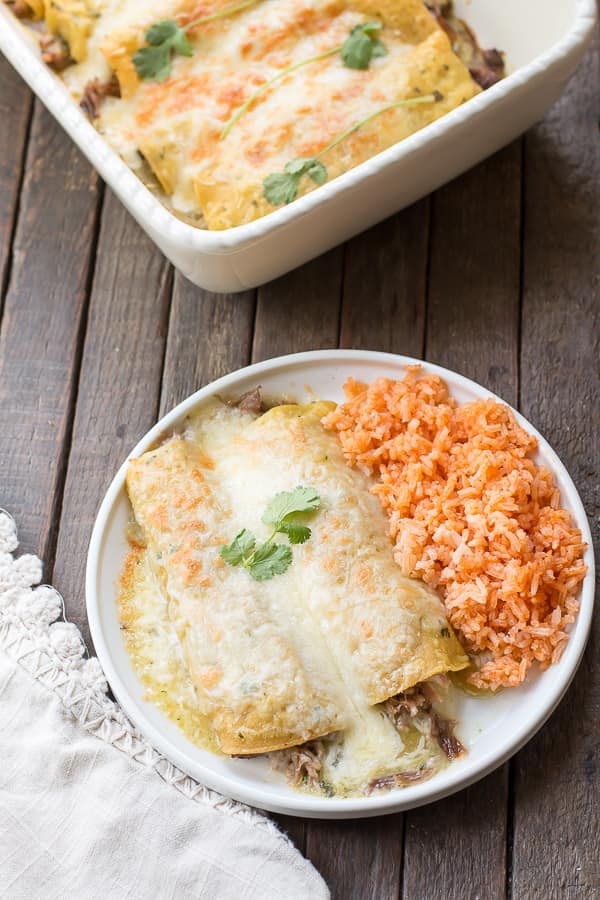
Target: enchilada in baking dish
point(269, 559)
point(234, 108)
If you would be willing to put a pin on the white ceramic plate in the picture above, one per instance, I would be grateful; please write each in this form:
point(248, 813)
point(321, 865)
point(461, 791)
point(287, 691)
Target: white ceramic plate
point(492, 728)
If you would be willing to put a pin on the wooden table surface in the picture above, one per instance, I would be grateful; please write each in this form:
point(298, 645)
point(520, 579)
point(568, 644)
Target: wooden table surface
point(495, 275)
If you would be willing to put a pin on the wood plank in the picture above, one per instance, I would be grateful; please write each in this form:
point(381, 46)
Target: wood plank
point(119, 386)
point(359, 860)
point(209, 336)
point(15, 113)
point(457, 848)
point(473, 298)
point(558, 774)
point(384, 285)
point(42, 327)
point(301, 310)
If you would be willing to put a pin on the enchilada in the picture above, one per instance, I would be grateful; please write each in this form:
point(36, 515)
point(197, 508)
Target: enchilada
point(313, 650)
point(256, 675)
point(217, 102)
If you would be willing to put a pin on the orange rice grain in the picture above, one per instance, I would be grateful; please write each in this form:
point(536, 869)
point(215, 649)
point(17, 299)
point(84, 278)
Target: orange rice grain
point(472, 515)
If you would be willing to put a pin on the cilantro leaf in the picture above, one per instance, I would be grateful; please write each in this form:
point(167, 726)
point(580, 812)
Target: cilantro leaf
point(300, 500)
point(369, 27)
point(379, 48)
point(153, 63)
point(317, 171)
point(357, 51)
point(296, 532)
point(280, 188)
point(297, 166)
point(360, 47)
point(269, 560)
point(160, 32)
point(240, 549)
point(182, 46)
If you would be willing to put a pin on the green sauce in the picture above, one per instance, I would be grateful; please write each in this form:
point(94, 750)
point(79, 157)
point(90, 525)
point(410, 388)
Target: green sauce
point(461, 683)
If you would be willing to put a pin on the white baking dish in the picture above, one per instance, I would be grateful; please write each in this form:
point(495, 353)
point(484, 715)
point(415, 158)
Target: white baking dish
point(543, 43)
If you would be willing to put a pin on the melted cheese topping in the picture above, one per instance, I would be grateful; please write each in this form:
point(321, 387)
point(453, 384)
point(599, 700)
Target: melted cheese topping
point(259, 675)
point(176, 127)
point(358, 631)
point(369, 748)
point(155, 652)
point(385, 632)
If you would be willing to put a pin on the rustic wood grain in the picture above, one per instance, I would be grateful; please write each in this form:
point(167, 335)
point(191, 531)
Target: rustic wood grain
point(457, 848)
point(15, 113)
point(42, 327)
point(209, 335)
point(119, 385)
point(473, 295)
point(359, 860)
point(557, 790)
point(301, 310)
point(385, 276)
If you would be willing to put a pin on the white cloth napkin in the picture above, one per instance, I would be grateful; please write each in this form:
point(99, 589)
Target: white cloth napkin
point(87, 808)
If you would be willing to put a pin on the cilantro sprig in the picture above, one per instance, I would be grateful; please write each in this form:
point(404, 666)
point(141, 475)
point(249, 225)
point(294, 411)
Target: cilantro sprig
point(284, 513)
point(281, 188)
point(168, 38)
point(362, 46)
point(153, 63)
point(357, 51)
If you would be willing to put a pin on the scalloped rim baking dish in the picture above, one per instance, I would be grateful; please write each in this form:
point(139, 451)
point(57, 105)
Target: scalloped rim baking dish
point(543, 44)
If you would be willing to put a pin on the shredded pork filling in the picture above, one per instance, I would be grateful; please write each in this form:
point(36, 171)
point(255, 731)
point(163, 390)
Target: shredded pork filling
point(303, 765)
point(20, 9)
point(55, 52)
point(95, 92)
point(486, 67)
point(418, 700)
